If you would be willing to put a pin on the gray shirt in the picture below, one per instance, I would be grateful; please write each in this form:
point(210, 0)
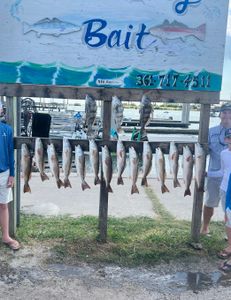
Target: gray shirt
point(216, 145)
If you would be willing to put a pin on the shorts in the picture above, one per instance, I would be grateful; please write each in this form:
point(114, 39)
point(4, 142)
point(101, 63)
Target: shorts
point(5, 192)
point(212, 191)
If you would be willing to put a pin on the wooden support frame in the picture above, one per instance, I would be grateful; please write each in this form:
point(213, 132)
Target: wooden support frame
point(105, 95)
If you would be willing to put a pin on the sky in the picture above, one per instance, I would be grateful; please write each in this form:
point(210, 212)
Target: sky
point(226, 84)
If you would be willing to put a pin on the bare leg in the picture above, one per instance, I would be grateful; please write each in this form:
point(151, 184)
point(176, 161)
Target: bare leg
point(228, 232)
point(207, 215)
point(4, 223)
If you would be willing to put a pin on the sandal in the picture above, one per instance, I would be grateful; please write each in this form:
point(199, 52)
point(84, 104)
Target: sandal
point(13, 245)
point(224, 254)
point(226, 267)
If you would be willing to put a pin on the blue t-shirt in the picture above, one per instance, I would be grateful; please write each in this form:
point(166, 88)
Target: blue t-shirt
point(6, 149)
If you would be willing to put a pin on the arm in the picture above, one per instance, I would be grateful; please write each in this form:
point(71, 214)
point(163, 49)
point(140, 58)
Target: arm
point(219, 173)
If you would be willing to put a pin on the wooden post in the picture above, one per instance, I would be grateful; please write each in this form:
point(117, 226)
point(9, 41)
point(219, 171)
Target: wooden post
point(103, 203)
point(17, 161)
point(11, 111)
point(198, 195)
point(185, 113)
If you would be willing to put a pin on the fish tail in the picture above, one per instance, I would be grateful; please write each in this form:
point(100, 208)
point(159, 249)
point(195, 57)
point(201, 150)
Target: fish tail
point(109, 189)
point(59, 183)
point(66, 183)
point(97, 180)
point(187, 192)
point(85, 186)
point(200, 32)
point(144, 181)
point(176, 183)
point(26, 27)
point(120, 180)
point(44, 176)
point(199, 187)
point(134, 189)
point(26, 188)
point(164, 189)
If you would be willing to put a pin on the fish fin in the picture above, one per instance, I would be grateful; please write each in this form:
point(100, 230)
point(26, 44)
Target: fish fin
point(201, 32)
point(44, 176)
point(187, 192)
point(26, 28)
point(26, 188)
point(134, 189)
point(183, 39)
point(200, 188)
point(84, 185)
point(59, 183)
point(66, 183)
point(176, 183)
point(109, 189)
point(120, 181)
point(164, 189)
point(144, 181)
point(97, 181)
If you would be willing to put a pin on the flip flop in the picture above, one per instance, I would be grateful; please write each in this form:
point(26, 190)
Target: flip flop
point(224, 254)
point(226, 267)
point(13, 245)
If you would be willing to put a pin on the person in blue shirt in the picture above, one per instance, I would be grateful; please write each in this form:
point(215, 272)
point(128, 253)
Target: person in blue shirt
point(6, 180)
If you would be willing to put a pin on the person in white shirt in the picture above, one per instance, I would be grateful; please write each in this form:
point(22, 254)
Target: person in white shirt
point(225, 172)
point(216, 145)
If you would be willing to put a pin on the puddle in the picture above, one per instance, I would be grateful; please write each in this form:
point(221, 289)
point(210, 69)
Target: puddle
point(114, 277)
point(152, 281)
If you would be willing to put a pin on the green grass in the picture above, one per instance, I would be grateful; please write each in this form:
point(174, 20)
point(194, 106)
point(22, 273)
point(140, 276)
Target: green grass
point(131, 241)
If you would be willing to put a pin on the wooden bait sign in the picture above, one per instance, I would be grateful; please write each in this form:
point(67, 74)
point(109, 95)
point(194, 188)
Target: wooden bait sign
point(151, 44)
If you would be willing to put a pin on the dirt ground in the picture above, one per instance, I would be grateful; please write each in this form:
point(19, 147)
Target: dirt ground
point(31, 273)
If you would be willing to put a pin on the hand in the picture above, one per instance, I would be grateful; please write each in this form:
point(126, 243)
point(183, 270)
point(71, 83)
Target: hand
point(10, 182)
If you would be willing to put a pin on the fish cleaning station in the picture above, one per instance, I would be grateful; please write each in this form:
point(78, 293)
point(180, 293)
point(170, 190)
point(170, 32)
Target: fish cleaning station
point(171, 60)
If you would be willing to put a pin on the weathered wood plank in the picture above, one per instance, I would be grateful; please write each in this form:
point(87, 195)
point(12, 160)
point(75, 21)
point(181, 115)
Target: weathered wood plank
point(103, 199)
point(198, 195)
point(30, 141)
point(69, 92)
point(11, 119)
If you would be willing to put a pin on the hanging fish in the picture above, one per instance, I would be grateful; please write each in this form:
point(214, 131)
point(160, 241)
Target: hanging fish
point(147, 162)
point(94, 159)
point(187, 169)
point(90, 113)
point(117, 112)
point(54, 164)
point(145, 112)
point(80, 166)
point(107, 167)
point(174, 163)
point(161, 172)
point(39, 158)
point(200, 162)
point(134, 161)
point(66, 162)
point(121, 161)
point(26, 165)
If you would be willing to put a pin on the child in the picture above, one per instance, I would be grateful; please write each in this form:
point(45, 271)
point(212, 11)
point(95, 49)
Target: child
point(225, 193)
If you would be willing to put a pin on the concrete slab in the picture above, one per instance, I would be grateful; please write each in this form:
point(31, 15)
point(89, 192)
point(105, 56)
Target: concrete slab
point(175, 202)
point(47, 199)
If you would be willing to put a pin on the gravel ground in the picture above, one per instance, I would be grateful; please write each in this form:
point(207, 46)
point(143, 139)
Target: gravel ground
point(29, 274)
